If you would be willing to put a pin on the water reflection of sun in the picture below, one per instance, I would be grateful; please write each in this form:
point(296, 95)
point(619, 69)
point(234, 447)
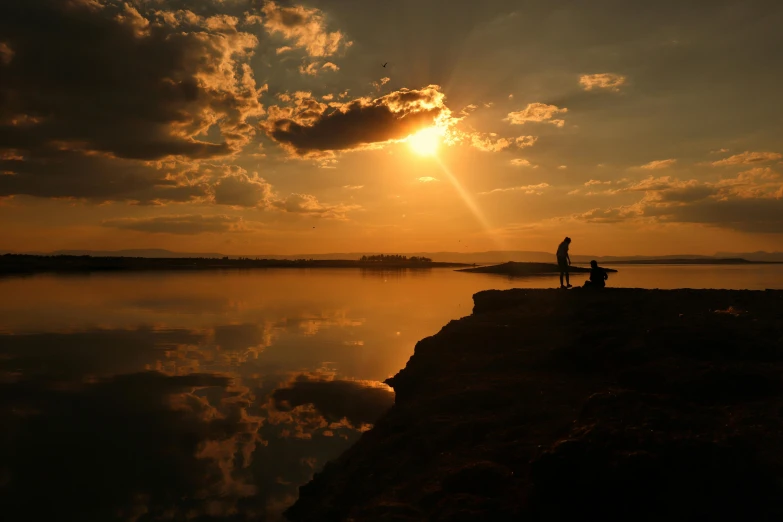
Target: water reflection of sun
point(426, 141)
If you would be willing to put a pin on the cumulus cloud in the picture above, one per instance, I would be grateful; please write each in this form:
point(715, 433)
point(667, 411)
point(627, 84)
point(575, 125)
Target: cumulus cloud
point(526, 189)
point(520, 162)
point(608, 81)
point(489, 142)
point(537, 113)
point(126, 446)
point(6, 53)
point(304, 27)
point(162, 82)
point(751, 202)
point(597, 182)
point(240, 189)
point(308, 128)
point(309, 205)
point(380, 83)
point(426, 179)
point(312, 69)
point(187, 224)
point(658, 164)
point(748, 158)
point(525, 141)
point(358, 402)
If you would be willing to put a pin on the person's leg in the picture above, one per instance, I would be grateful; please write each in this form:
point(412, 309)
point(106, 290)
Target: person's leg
point(568, 281)
point(561, 277)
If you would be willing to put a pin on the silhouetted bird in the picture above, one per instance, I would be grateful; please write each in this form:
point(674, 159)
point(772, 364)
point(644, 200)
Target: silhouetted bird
point(384, 65)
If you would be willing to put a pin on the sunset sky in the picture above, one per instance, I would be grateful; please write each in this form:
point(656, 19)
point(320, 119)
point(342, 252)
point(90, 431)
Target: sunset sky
point(273, 128)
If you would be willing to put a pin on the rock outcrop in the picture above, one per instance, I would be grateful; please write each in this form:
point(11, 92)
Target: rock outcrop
point(547, 405)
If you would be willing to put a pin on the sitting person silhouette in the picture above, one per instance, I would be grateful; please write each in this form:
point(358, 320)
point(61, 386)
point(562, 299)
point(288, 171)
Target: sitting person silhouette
point(598, 276)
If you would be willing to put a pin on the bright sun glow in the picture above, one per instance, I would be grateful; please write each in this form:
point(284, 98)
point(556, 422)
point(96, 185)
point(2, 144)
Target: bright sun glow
point(426, 141)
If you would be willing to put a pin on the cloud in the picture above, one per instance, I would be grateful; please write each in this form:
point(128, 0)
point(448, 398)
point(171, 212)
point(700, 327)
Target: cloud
point(309, 205)
point(312, 69)
point(750, 202)
point(536, 112)
point(239, 189)
point(6, 54)
point(489, 142)
point(305, 28)
point(358, 402)
point(426, 179)
point(520, 162)
point(748, 158)
point(308, 127)
point(608, 81)
point(719, 151)
point(562, 167)
point(126, 446)
point(525, 141)
point(380, 83)
point(597, 182)
point(527, 189)
point(164, 84)
point(188, 224)
point(658, 164)
point(353, 187)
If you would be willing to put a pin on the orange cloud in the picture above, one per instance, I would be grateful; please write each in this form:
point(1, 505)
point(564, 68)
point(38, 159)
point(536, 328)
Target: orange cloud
point(519, 162)
point(309, 128)
point(538, 113)
point(608, 81)
point(527, 189)
point(658, 164)
point(188, 224)
point(748, 158)
point(304, 27)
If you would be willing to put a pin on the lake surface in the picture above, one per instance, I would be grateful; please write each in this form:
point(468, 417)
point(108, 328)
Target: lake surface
point(141, 396)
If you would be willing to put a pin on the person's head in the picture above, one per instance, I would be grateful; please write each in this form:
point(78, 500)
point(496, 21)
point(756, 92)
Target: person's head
point(567, 239)
point(594, 263)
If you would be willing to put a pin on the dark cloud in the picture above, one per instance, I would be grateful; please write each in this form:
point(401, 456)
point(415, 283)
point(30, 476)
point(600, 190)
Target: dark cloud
point(66, 173)
point(239, 337)
point(763, 215)
point(311, 127)
point(86, 353)
point(89, 81)
point(336, 400)
point(238, 188)
point(309, 205)
point(130, 447)
point(750, 202)
point(188, 224)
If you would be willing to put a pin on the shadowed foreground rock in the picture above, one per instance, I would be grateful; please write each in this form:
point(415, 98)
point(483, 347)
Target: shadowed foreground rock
point(548, 405)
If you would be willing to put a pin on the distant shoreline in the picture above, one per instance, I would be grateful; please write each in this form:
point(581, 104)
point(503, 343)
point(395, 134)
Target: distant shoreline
point(11, 264)
point(513, 269)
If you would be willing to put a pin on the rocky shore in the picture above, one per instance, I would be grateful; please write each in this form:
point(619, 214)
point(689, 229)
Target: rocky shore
point(514, 269)
point(545, 405)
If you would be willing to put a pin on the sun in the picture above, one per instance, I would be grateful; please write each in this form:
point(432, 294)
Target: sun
point(426, 141)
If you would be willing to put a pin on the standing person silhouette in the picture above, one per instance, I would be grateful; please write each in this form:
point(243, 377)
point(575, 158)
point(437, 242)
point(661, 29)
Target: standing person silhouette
point(563, 262)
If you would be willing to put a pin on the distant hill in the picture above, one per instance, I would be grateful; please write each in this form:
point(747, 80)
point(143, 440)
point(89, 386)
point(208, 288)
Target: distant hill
point(488, 257)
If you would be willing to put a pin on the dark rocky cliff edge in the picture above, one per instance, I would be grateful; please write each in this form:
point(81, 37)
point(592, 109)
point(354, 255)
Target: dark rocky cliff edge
point(548, 405)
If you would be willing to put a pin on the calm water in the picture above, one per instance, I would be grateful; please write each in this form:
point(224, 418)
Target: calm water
point(259, 378)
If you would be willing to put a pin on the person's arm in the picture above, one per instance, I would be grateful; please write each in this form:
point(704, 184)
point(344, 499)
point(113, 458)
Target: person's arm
point(606, 275)
point(568, 256)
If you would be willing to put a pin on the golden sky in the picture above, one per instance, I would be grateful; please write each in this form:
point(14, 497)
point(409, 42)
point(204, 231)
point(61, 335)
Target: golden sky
point(260, 127)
